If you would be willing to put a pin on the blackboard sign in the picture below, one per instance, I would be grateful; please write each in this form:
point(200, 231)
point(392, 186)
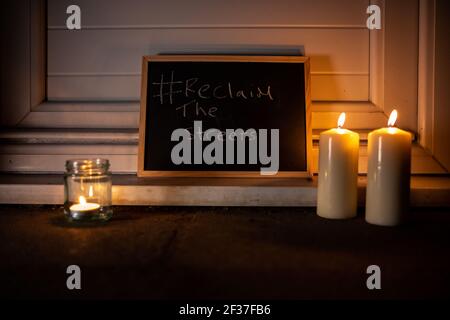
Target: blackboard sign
point(235, 116)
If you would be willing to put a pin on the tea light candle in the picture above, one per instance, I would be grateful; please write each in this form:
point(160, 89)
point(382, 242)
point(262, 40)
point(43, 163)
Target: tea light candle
point(88, 190)
point(388, 174)
point(337, 193)
point(84, 207)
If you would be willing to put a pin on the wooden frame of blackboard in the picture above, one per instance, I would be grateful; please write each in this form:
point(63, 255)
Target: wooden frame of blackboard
point(141, 172)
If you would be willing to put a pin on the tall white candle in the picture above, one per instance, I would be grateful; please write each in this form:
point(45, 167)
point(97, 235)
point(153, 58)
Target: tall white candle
point(388, 174)
point(337, 194)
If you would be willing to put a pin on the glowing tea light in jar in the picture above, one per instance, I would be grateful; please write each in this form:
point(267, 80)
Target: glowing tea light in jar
point(83, 206)
point(88, 190)
point(337, 192)
point(388, 174)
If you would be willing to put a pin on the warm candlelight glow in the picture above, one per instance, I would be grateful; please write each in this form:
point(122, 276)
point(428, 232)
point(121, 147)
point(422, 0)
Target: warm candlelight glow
point(87, 190)
point(392, 118)
point(84, 206)
point(341, 120)
point(82, 200)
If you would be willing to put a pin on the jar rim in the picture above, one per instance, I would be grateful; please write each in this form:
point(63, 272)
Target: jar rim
point(82, 165)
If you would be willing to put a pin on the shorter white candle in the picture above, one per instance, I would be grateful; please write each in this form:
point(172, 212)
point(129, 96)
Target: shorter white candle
point(84, 207)
point(337, 193)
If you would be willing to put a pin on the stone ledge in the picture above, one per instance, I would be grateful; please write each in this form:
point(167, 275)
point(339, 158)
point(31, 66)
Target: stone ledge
point(426, 191)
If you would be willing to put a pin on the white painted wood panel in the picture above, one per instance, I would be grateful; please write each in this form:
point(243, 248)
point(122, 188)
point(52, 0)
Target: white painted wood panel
point(105, 56)
point(125, 88)
point(48, 163)
point(349, 87)
point(93, 88)
point(68, 149)
point(75, 106)
point(130, 120)
point(401, 42)
point(119, 52)
point(123, 13)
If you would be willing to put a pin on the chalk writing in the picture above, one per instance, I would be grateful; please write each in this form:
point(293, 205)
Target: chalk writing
point(196, 90)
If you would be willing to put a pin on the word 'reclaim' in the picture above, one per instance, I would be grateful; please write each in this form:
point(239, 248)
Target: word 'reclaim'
point(195, 92)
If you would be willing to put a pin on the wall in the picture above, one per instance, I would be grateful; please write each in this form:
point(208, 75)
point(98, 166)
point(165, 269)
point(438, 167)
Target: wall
point(103, 60)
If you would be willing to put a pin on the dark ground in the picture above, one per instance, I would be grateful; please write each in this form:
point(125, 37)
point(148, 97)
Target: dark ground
point(222, 253)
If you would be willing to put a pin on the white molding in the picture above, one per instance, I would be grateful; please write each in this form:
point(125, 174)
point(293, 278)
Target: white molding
point(55, 163)
point(130, 120)
point(101, 150)
point(38, 52)
point(63, 138)
point(92, 115)
point(133, 106)
point(40, 138)
point(89, 120)
point(376, 60)
point(89, 137)
point(426, 73)
point(87, 106)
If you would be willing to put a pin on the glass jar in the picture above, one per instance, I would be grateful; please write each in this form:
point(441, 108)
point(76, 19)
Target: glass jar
point(87, 190)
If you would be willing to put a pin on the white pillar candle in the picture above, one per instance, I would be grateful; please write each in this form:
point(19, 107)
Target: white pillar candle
point(388, 174)
point(337, 195)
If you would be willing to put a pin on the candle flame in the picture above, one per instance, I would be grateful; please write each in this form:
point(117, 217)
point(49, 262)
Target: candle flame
point(82, 200)
point(341, 120)
point(392, 118)
point(91, 191)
